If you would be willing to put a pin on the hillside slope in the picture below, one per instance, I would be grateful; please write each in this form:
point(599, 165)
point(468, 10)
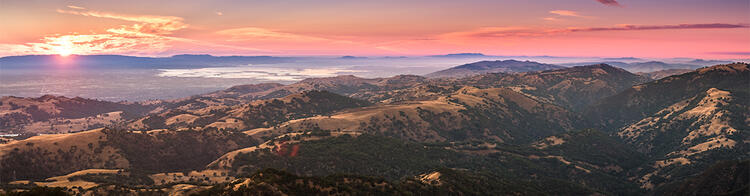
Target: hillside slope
point(573, 88)
point(256, 114)
point(684, 123)
point(639, 101)
point(496, 114)
point(37, 115)
point(46, 156)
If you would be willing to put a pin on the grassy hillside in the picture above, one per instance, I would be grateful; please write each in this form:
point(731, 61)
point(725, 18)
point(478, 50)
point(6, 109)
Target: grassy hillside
point(257, 114)
point(19, 115)
point(495, 114)
point(642, 100)
point(155, 151)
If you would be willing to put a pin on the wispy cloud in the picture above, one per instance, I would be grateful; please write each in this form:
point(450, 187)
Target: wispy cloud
point(566, 13)
point(497, 32)
point(609, 2)
point(76, 7)
point(489, 32)
point(283, 42)
point(148, 24)
point(560, 14)
point(256, 33)
point(628, 27)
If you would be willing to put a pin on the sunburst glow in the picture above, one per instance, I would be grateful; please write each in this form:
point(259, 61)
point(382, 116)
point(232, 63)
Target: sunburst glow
point(64, 47)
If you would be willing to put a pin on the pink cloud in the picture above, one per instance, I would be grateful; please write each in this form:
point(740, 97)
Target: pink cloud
point(256, 33)
point(566, 13)
point(76, 7)
point(659, 27)
point(609, 2)
point(490, 32)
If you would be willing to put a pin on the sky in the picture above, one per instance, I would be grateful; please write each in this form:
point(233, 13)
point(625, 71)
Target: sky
point(718, 29)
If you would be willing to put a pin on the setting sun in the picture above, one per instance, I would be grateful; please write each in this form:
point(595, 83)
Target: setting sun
point(64, 52)
point(64, 47)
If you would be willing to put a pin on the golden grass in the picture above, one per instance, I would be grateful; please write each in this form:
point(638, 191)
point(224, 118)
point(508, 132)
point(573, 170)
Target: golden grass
point(63, 181)
point(215, 176)
point(61, 125)
point(64, 142)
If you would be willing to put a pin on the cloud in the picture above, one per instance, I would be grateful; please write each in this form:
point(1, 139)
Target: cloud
point(498, 32)
point(255, 33)
point(148, 24)
point(628, 27)
point(76, 7)
point(609, 2)
point(286, 41)
point(559, 14)
point(263, 34)
point(149, 34)
point(489, 32)
point(566, 13)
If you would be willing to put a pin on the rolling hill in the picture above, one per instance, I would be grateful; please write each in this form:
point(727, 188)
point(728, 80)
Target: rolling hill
point(256, 114)
point(573, 88)
point(58, 114)
point(685, 123)
point(639, 101)
point(481, 67)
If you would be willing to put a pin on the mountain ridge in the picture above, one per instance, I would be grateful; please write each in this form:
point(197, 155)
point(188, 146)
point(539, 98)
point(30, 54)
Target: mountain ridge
point(481, 67)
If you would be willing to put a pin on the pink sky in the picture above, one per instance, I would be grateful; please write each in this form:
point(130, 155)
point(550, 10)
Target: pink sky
point(641, 28)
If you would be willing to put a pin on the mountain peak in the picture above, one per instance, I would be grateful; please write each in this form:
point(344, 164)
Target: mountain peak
point(49, 97)
point(599, 65)
point(653, 62)
point(601, 68)
point(192, 55)
point(730, 68)
point(460, 55)
point(504, 66)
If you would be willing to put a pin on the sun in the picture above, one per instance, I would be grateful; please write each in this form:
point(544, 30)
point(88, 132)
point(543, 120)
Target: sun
point(64, 47)
point(64, 52)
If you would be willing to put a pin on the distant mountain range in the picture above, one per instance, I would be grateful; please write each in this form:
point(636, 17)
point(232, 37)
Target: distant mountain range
point(707, 62)
point(461, 55)
point(651, 69)
point(644, 67)
point(623, 59)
